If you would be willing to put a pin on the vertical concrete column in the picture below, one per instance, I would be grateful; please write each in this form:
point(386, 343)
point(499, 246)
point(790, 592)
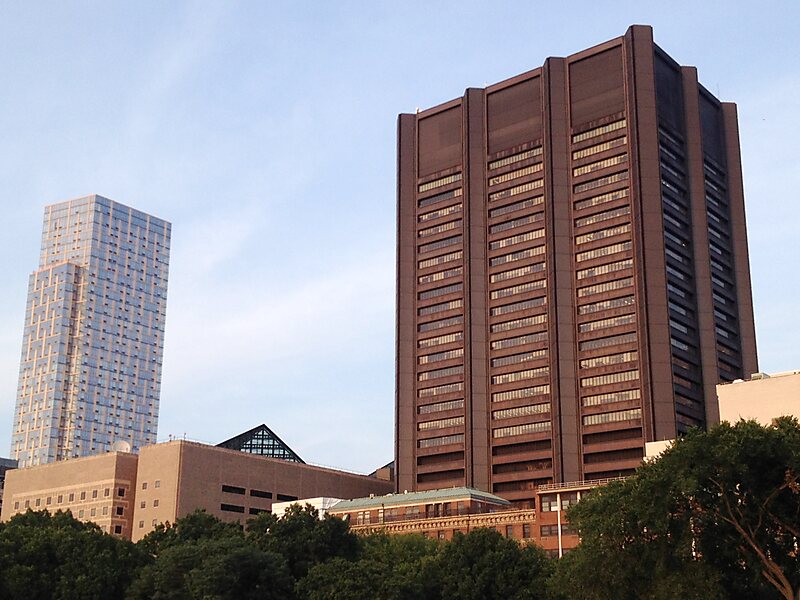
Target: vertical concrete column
point(561, 289)
point(405, 387)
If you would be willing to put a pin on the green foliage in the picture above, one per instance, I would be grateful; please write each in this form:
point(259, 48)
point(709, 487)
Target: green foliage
point(44, 556)
point(715, 517)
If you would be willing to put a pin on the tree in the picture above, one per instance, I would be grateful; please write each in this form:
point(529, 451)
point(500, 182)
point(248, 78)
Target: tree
point(302, 538)
point(45, 556)
point(202, 557)
point(484, 565)
point(715, 516)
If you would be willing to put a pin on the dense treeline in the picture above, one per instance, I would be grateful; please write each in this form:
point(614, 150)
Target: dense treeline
point(718, 516)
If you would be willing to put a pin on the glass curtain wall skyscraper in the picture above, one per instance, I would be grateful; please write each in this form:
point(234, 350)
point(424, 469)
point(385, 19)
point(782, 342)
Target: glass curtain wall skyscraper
point(573, 275)
point(90, 370)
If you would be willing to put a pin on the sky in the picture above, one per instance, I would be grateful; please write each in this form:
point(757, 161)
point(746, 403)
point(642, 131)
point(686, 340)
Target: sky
point(266, 133)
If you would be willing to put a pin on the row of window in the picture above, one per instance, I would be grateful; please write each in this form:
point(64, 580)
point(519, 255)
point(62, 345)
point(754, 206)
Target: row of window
point(440, 275)
point(606, 286)
point(613, 417)
point(517, 323)
point(441, 307)
point(517, 189)
point(603, 216)
point(526, 392)
point(438, 390)
point(620, 377)
point(516, 359)
point(520, 156)
point(514, 223)
point(520, 375)
point(59, 499)
point(611, 397)
point(442, 339)
point(442, 291)
point(614, 267)
point(443, 243)
point(518, 272)
point(615, 126)
point(509, 208)
point(449, 226)
point(515, 256)
point(520, 288)
point(438, 373)
point(605, 342)
point(439, 356)
point(606, 323)
point(424, 187)
point(522, 411)
point(444, 440)
point(502, 432)
point(602, 251)
point(529, 170)
point(601, 199)
point(440, 197)
point(433, 325)
point(440, 424)
point(517, 306)
point(602, 234)
point(520, 340)
point(600, 182)
point(586, 309)
point(517, 239)
point(598, 148)
point(442, 212)
point(609, 359)
point(440, 406)
point(600, 164)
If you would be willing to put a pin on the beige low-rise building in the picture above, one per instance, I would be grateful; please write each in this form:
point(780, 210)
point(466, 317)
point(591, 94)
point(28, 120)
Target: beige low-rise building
point(763, 397)
point(128, 495)
point(96, 488)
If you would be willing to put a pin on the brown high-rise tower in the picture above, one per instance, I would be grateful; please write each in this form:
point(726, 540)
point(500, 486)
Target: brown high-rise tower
point(572, 271)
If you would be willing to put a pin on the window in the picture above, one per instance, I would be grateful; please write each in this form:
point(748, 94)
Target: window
point(613, 417)
point(526, 531)
point(442, 339)
point(157, 483)
point(117, 529)
point(232, 489)
point(94, 494)
point(155, 503)
point(521, 429)
point(60, 498)
point(440, 424)
point(520, 375)
point(509, 531)
point(531, 338)
point(80, 514)
point(440, 389)
point(106, 492)
point(520, 156)
point(105, 510)
point(529, 170)
point(83, 495)
point(120, 493)
point(424, 187)
point(549, 502)
point(616, 125)
point(613, 340)
point(257, 511)
point(610, 378)
point(144, 485)
point(38, 502)
point(260, 494)
point(143, 504)
point(119, 511)
point(436, 373)
point(93, 512)
point(607, 323)
point(527, 392)
point(231, 508)
point(517, 323)
point(522, 411)
point(517, 189)
point(441, 441)
point(141, 524)
point(601, 199)
point(611, 397)
point(440, 406)
point(517, 306)
point(286, 498)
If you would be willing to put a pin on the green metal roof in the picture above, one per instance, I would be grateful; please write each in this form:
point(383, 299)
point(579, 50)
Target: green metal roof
point(443, 495)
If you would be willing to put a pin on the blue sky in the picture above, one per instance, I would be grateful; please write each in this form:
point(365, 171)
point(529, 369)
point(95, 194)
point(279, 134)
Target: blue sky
point(265, 132)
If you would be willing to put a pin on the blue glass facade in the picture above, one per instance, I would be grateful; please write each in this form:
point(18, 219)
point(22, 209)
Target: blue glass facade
point(90, 370)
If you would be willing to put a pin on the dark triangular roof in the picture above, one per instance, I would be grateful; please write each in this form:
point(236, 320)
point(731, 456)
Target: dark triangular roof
point(263, 441)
